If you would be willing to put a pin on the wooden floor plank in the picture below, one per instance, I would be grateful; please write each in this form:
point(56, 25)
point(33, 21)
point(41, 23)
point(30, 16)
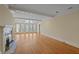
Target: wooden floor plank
point(33, 43)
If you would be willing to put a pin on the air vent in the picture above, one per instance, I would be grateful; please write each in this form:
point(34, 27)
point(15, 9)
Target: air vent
point(70, 8)
point(57, 11)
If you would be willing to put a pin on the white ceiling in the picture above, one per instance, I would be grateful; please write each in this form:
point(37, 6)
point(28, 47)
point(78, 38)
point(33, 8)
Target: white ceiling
point(48, 10)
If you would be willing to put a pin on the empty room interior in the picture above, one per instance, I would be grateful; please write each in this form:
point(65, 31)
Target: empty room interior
point(39, 28)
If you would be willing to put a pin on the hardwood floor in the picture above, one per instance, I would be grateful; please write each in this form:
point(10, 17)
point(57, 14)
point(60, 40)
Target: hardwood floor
point(32, 43)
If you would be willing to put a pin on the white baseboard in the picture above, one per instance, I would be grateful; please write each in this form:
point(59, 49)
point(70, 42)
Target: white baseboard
point(60, 39)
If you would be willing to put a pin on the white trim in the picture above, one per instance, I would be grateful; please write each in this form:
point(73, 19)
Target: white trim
point(60, 39)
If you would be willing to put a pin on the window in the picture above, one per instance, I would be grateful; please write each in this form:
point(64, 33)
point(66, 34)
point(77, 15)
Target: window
point(17, 27)
point(26, 26)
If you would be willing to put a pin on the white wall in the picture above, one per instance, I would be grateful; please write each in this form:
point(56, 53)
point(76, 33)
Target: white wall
point(5, 18)
point(64, 28)
point(1, 37)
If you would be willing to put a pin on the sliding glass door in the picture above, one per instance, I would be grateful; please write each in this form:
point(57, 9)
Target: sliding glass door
point(27, 27)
